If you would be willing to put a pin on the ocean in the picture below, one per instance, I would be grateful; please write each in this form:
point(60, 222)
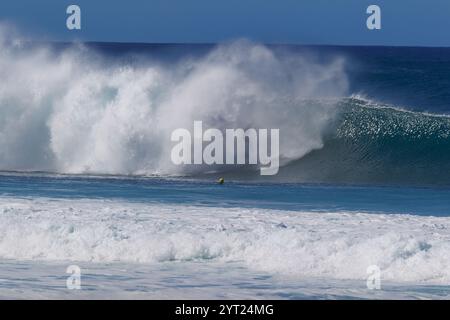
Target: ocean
point(86, 177)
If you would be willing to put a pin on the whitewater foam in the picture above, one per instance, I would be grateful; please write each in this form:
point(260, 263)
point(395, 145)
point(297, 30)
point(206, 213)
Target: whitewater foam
point(295, 244)
point(370, 103)
point(76, 111)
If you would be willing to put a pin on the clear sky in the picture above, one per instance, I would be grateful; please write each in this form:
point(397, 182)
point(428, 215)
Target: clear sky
point(404, 22)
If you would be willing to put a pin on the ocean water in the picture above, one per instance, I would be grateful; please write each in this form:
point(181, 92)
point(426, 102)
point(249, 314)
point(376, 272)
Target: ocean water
point(161, 238)
point(86, 177)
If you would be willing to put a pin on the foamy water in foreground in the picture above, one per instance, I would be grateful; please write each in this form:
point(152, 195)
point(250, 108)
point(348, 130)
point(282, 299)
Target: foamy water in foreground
point(149, 250)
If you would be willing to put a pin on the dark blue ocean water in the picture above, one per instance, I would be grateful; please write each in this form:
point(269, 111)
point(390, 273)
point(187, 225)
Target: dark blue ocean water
point(283, 196)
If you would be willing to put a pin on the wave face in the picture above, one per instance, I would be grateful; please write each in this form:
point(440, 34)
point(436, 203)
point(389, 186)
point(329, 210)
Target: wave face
point(376, 143)
point(299, 244)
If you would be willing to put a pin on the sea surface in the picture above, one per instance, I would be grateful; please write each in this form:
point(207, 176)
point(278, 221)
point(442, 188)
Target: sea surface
point(86, 177)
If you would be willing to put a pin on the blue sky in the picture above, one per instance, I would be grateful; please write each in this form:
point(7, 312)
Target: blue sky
point(404, 22)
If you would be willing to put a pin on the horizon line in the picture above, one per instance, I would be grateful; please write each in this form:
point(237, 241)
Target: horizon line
point(228, 41)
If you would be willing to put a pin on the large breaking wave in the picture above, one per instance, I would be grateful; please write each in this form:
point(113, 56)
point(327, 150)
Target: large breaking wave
point(75, 111)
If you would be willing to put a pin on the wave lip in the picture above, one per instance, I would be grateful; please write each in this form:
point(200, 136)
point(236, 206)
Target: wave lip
point(294, 244)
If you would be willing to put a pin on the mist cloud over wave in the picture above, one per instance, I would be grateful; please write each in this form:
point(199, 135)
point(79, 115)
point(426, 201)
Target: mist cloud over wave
point(74, 111)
